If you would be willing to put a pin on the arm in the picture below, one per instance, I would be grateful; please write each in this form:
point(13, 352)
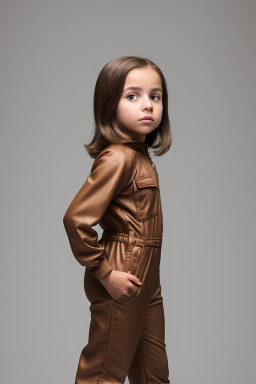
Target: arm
point(111, 172)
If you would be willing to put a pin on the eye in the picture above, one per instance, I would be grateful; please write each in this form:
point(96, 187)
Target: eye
point(156, 96)
point(132, 94)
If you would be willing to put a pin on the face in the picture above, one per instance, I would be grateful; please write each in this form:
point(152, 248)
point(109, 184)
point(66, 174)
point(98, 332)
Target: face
point(142, 96)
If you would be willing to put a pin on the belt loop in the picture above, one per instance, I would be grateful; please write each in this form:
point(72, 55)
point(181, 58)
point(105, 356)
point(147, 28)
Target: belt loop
point(131, 240)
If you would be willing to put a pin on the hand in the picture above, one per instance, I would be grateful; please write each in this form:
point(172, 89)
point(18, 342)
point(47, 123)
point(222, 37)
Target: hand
point(119, 283)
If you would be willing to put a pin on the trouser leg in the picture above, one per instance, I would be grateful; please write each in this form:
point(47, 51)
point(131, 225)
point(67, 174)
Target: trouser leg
point(150, 363)
point(115, 327)
point(97, 351)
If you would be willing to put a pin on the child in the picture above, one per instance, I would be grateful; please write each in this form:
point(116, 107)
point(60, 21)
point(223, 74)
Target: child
point(122, 274)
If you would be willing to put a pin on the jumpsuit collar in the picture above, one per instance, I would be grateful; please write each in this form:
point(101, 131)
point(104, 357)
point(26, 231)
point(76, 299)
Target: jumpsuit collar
point(138, 146)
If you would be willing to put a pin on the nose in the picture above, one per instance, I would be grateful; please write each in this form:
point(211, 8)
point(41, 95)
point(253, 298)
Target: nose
point(147, 104)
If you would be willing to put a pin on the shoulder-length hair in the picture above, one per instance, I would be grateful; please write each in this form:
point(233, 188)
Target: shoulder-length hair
point(107, 93)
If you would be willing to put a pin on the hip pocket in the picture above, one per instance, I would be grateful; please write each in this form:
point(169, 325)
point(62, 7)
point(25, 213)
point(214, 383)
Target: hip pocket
point(133, 259)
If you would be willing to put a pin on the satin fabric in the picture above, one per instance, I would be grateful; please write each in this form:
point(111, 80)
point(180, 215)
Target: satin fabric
point(126, 336)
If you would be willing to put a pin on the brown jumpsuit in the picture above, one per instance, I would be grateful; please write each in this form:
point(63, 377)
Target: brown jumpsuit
point(126, 336)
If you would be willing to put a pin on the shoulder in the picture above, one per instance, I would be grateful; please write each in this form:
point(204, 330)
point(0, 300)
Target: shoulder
point(119, 150)
point(115, 155)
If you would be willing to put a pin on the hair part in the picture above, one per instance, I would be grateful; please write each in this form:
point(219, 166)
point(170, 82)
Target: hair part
point(107, 93)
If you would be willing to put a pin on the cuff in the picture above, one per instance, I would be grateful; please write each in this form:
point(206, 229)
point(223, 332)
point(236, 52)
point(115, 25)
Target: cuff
point(102, 270)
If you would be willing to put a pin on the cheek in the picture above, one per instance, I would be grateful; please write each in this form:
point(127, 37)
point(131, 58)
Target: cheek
point(121, 111)
point(160, 113)
point(124, 113)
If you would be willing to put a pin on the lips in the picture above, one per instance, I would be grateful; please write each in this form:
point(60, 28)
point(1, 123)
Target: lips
point(147, 118)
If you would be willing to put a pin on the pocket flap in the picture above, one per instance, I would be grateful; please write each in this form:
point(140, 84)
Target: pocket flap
point(147, 181)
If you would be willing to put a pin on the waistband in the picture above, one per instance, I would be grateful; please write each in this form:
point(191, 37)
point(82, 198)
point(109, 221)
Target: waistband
point(132, 240)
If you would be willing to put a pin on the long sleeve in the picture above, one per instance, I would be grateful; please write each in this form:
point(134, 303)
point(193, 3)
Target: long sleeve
point(111, 172)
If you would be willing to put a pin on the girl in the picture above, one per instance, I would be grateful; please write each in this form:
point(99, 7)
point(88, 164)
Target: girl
point(122, 194)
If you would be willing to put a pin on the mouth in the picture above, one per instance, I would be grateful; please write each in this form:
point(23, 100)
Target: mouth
point(147, 118)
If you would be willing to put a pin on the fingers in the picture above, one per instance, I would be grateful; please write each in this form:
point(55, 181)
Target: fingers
point(134, 278)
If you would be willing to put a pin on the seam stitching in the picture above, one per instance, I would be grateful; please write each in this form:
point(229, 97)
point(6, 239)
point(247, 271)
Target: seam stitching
point(111, 330)
point(143, 360)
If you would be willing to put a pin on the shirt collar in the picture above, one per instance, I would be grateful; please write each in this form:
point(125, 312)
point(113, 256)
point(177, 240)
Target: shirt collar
point(138, 146)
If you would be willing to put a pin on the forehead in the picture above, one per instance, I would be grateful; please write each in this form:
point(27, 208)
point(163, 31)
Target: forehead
point(145, 76)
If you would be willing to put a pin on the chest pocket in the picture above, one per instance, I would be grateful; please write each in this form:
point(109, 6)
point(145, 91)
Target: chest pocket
point(146, 195)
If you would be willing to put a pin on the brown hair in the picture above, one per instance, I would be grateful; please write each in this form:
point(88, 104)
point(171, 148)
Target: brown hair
point(107, 93)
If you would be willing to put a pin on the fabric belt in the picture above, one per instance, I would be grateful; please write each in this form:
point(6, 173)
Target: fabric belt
point(132, 240)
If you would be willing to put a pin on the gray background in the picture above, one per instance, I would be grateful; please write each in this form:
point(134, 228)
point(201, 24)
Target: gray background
point(51, 54)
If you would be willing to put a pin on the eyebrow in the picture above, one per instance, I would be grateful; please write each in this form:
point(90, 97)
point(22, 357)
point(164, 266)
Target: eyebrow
point(140, 89)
